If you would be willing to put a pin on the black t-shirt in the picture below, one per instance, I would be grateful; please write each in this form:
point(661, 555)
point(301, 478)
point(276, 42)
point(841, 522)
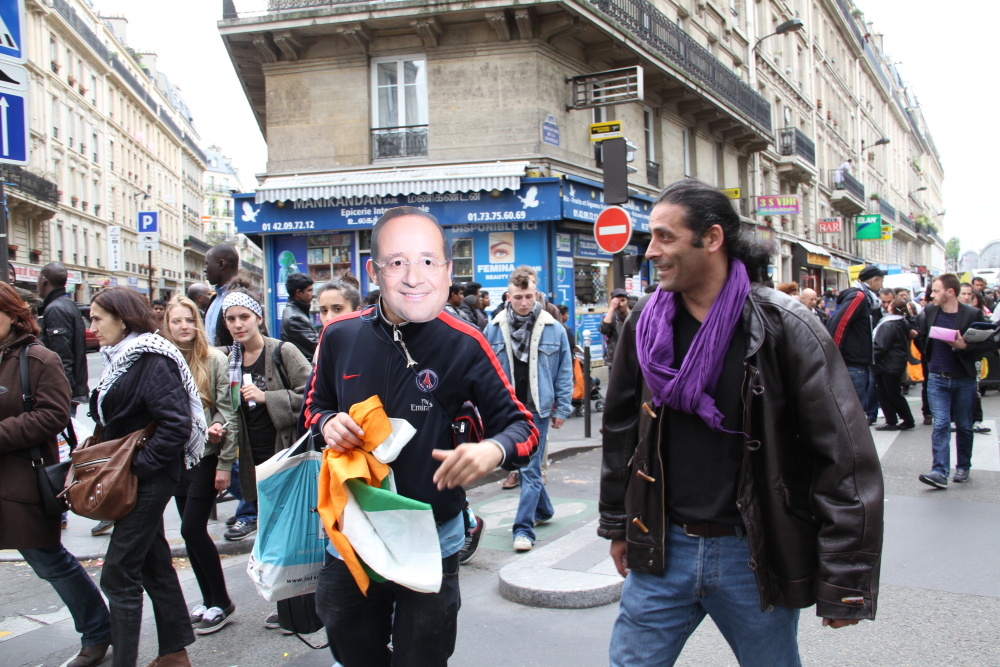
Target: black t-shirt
point(522, 384)
point(943, 359)
point(702, 467)
point(260, 429)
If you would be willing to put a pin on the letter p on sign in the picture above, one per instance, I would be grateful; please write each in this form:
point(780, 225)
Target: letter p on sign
point(149, 222)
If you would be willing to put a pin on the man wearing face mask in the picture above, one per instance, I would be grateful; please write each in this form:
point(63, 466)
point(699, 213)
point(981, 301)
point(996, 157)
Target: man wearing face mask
point(423, 365)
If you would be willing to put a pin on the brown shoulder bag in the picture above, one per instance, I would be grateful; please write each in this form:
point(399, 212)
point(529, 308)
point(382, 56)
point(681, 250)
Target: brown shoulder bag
point(101, 484)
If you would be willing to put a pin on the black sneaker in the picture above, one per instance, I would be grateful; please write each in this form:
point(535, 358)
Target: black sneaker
point(961, 476)
point(887, 427)
point(102, 528)
point(935, 479)
point(230, 521)
point(979, 428)
point(472, 542)
point(240, 530)
point(907, 427)
point(215, 619)
point(928, 421)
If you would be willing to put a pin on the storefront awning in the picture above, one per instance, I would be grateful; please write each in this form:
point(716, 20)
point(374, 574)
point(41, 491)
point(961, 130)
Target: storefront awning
point(814, 249)
point(388, 182)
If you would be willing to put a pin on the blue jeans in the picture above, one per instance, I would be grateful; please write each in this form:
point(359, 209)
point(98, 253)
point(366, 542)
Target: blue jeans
point(78, 592)
point(702, 575)
point(949, 399)
point(245, 512)
point(864, 386)
point(534, 504)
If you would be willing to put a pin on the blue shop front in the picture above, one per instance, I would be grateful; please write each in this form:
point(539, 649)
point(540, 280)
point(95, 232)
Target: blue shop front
point(547, 224)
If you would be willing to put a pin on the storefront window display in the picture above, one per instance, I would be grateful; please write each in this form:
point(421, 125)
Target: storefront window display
point(464, 262)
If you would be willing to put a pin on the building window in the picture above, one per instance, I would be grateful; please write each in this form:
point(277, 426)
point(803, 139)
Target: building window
point(600, 115)
point(686, 141)
point(462, 260)
point(399, 109)
point(56, 113)
point(649, 135)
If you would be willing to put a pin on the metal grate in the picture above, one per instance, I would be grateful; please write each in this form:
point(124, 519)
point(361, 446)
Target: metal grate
point(793, 141)
point(399, 142)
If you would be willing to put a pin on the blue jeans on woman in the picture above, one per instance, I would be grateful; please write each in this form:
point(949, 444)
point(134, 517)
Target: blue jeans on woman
point(701, 575)
point(76, 589)
point(951, 398)
point(534, 504)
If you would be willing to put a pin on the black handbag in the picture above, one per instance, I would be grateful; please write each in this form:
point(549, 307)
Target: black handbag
point(51, 479)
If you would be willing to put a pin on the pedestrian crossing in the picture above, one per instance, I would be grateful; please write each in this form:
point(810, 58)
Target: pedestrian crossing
point(985, 446)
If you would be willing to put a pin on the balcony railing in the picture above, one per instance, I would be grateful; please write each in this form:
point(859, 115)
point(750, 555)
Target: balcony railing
point(30, 184)
point(81, 28)
point(793, 141)
point(653, 173)
point(664, 36)
point(887, 210)
point(399, 142)
point(842, 180)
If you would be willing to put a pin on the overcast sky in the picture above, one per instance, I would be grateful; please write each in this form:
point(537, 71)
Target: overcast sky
point(945, 59)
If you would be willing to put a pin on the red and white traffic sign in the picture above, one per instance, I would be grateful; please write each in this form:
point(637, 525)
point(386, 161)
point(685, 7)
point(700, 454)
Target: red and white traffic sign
point(613, 229)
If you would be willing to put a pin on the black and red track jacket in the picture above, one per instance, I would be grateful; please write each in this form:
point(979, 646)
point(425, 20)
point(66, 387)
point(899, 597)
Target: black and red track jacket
point(358, 357)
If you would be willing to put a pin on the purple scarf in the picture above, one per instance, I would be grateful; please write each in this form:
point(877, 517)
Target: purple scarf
point(690, 388)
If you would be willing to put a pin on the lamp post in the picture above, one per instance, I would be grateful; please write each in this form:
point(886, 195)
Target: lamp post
point(586, 383)
point(792, 25)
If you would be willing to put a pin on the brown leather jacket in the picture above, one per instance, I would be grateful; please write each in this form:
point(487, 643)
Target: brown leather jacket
point(810, 490)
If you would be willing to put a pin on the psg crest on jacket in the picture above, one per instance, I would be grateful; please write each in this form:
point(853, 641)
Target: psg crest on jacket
point(427, 380)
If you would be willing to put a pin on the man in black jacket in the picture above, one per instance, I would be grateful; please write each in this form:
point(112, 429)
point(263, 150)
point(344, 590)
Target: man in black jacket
point(62, 329)
point(859, 309)
point(952, 373)
point(296, 327)
point(423, 365)
point(739, 477)
point(222, 264)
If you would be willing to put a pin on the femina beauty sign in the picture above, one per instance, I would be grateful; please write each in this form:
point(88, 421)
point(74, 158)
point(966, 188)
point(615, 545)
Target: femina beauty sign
point(778, 205)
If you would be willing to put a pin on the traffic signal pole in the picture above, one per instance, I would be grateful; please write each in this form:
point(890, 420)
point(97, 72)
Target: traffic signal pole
point(614, 159)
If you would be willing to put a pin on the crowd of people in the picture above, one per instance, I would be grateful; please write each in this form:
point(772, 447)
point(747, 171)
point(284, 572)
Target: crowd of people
point(778, 384)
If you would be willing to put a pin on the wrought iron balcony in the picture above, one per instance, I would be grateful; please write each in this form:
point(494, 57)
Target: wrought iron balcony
point(653, 173)
point(848, 194)
point(664, 36)
point(793, 141)
point(399, 142)
point(30, 184)
point(887, 210)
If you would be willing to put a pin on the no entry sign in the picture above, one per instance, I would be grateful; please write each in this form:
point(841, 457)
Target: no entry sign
point(613, 229)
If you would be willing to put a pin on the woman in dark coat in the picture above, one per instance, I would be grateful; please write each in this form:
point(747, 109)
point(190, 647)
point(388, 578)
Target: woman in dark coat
point(892, 353)
point(145, 380)
point(24, 525)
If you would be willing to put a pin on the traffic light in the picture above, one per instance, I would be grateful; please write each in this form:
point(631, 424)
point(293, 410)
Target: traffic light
point(616, 155)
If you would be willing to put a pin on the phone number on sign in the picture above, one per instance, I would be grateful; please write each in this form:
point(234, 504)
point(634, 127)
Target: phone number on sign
point(497, 215)
point(287, 226)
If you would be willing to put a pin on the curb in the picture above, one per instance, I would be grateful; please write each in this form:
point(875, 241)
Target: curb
point(499, 474)
point(225, 547)
point(574, 572)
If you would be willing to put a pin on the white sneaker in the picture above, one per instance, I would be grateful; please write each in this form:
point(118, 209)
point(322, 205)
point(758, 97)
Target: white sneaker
point(197, 613)
point(522, 543)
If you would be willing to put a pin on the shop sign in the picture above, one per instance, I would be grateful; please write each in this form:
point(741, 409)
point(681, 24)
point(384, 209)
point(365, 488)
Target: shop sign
point(584, 200)
point(538, 199)
point(565, 284)
point(103, 281)
point(591, 322)
point(586, 246)
point(830, 225)
point(74, 277)
point(817, 259)
point(114, 248)
point(868, 227)
point(133, 281)
point(550, 131)
point(611, 129)
point(25, 274)
point(887, 232)
point(732, 193)
point(839, 264)
point(778, 205)
point(564, 242)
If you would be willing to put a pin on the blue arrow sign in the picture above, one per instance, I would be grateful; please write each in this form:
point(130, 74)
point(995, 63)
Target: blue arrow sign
point(149, 222)
point(11, 31)
point(13, 128)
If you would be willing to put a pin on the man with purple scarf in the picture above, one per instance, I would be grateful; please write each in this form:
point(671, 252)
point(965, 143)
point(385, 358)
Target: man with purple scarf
point(740, 479)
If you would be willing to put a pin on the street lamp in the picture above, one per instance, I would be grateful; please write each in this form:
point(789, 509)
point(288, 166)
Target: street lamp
point(882, 142)
point(920, 189)
point(792, 25)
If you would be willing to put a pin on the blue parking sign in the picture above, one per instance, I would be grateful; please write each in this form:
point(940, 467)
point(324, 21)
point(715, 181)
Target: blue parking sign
point(13, 127)
point(149, 222)
point(11, 31)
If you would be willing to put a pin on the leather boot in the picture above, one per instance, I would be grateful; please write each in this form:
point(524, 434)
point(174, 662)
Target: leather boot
point(175, 659)
point(89, 656)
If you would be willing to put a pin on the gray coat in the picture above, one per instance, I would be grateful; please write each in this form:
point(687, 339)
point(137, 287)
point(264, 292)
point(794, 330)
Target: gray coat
point(282, 406)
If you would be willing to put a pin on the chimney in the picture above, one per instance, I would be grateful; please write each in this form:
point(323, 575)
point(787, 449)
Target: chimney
point(118, 25)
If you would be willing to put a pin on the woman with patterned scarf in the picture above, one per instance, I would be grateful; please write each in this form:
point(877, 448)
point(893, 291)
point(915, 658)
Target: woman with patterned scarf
point(268, 406)
point(145, 380)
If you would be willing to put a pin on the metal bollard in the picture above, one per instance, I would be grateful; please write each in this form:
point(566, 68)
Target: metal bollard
point(587, 388)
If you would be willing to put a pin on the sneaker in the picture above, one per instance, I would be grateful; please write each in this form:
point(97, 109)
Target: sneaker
point(102, 528)
point(240, 530)
point(928, 421)
point(935, 479)
point(979, 428)
point(510, 482)
point(471, 542)
point(215, 619)
point(197, 614)
point(522, 543)
point(230, 521)
point(271, 622)
point(887, 427)
point(961, 476)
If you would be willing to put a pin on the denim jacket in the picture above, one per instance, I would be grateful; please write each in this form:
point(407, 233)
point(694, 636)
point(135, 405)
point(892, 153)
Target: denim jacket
point(550, 364)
